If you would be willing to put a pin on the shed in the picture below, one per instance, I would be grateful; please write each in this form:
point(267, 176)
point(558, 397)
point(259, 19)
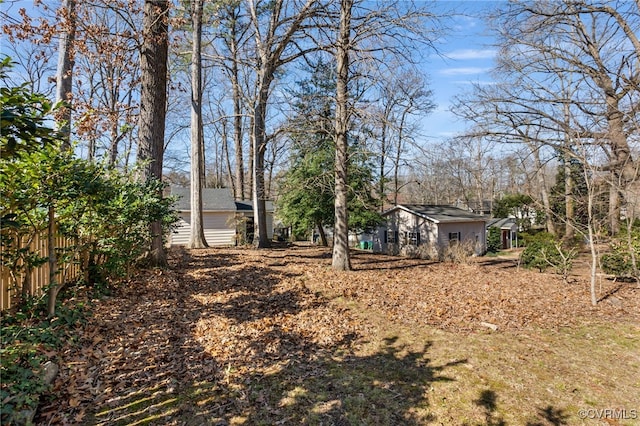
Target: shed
point(429, 227)
point(226, 221)
point(508, 231)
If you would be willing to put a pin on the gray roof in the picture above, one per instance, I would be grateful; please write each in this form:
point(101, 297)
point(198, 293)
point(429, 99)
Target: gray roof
point(213, 200)
point(440, 214)
point(502, 223)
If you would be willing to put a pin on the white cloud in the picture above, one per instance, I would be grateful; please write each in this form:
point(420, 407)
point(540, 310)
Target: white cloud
point(464, 71)
point(471, 54)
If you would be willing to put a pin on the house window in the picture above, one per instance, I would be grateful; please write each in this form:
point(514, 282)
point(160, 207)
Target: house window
point(390, 236)
point(454, 237)
point(413, 238)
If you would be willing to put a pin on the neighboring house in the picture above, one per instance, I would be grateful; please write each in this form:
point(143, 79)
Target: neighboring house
point(410, 227)
point(225, 220)
point(508, 231)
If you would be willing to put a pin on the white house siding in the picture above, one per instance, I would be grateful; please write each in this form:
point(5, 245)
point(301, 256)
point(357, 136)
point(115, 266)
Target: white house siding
point(270, 226)
point(219, 229)
point(432, 234)
point(403, 222)
point(474, 232)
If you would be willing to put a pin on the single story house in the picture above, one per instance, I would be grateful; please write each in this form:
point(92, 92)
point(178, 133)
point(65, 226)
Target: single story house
point(412, 228)
point(508, 231)
point(226, 221)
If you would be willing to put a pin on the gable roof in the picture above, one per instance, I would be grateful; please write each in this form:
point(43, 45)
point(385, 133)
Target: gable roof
point(213, 200)
point(502, 223)
point(438, 214)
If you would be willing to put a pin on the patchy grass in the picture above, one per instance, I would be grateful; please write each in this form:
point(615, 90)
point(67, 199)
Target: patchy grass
point(246, 337)
point(533, 377)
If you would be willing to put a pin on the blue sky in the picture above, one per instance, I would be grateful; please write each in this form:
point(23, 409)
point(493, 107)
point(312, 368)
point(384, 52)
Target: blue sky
point(466, 56)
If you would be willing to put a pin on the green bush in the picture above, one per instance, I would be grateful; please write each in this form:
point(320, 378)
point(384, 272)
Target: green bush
point(531, 236)
point(619, 261)
point(114, 229)
point(27, 343)
point(494, 240)
point(103, 213)
point(46, 190)
point(543, 252)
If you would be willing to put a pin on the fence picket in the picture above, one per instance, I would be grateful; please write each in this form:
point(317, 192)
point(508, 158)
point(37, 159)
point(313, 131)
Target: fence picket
point(69, 271)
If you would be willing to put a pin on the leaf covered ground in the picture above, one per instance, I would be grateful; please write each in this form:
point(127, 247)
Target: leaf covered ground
point(238, 336)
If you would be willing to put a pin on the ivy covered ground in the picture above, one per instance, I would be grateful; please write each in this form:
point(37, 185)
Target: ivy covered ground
point(239, 336)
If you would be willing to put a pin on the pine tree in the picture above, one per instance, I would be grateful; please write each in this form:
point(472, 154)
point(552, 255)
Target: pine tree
point(308, 187)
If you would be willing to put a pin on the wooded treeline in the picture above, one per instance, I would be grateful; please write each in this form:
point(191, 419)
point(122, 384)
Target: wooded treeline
point(560, 124)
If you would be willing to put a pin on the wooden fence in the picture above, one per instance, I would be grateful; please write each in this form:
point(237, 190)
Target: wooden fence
point(11, 288)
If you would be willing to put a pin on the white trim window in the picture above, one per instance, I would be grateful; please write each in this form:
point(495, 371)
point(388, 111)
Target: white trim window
point(391, 236)
point(413, 238)
point(454, 237)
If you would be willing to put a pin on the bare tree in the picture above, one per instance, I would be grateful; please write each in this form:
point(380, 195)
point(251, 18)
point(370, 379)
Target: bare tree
point(588, 51)
point(562, 59)
point(234, 40)
point(403, 96)
point(415, 99)
point(64, 74)
point(153, 99)
point(341, 259)
point(278, 33)
point(196, 238)
point(370, 38)
point(97, 76)
point(571, 83)
point(107, 79)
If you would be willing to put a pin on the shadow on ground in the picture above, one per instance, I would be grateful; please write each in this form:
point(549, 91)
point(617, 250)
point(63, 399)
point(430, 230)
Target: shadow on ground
point(488, 402)
point(219, 341)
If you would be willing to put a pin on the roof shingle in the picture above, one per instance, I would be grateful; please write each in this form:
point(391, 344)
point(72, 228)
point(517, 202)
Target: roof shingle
point(440, 213)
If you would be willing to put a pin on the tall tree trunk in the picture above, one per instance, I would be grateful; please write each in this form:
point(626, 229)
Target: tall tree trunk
point(544, 193)
point(271, 42)
point(153, 104)
point(227, 160)
point(237, 114)
point(196, 238)
point(396, 160)
point(615, 200)
point(260, 145)
point(64, 73)
point(341, 260)
point(252, 144)
point(383, 158)
point(622, 164)
point(323, 235)
point(592, 243)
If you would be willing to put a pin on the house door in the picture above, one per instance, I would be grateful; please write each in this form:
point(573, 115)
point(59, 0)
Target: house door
point(506, 238)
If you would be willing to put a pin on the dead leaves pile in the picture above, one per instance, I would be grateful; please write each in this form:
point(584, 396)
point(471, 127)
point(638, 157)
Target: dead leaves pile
point(468, 297)
point(228, 315)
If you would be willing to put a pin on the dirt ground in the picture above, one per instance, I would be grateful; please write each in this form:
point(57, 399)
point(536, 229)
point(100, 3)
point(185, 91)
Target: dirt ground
point(242, 336)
